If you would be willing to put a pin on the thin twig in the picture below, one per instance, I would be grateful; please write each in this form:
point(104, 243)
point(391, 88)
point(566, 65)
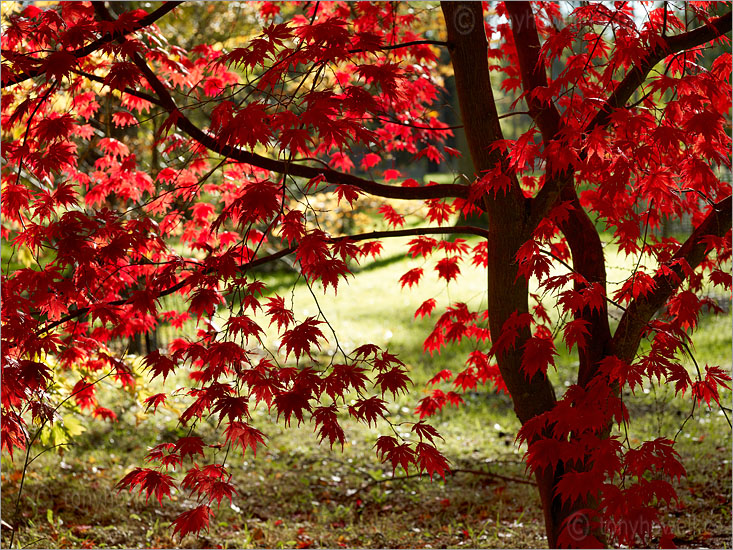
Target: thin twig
point(450, 473)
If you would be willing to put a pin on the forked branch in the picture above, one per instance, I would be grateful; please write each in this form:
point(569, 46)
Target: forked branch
point(627, 337)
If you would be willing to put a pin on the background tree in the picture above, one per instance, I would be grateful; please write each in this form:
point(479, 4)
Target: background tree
point(217, 180)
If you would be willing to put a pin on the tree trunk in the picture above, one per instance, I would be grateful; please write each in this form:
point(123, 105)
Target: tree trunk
point(506, 293)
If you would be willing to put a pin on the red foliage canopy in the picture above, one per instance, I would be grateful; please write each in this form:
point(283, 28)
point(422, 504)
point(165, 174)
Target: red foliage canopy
point(200, 167)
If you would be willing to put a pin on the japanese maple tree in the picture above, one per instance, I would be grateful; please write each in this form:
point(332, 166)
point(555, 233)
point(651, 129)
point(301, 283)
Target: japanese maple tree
point(134, 169)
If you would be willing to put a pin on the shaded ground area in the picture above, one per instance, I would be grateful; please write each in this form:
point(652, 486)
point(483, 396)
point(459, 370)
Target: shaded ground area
point(289, 497)
point(296, 494)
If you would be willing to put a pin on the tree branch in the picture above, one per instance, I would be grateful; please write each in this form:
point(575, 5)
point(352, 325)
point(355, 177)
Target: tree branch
point(544, 113)
point(332, 176)
point(580, 232)
point(545, 199)
point(672, 44)
point(404, 45)
point(468, 48)
point(335, 177)
point(627, 337)
point(532, 68)
point(460, 229)
point(92, 47)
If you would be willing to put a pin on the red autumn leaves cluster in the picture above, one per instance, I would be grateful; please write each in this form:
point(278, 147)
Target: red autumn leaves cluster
point(135, 170)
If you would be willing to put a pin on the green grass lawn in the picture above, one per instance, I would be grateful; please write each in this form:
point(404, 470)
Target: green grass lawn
point(297, 493)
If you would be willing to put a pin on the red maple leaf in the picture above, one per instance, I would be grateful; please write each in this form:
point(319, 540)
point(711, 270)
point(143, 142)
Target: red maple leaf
point(448, 269)
point(384, 444)
point(412, 277)
point(394, 381)
point(368, 410)
point(190, 446)
point(346, 249)
point(244, 435)
point(204, 301)
point(422, 246)
point(15, 199)
point(121, 119)
point(442, 376)
point(217, 490)
point(122, 75)
point(193, 521)
point(54, 127)
point(576, 485)
point(35, 375)
point(426, 308)
point(640, 284)
point(155, 401)
point(301, 338)
point(326, 420)
point(466, 379)
point(104, 414)
point(233, 407)
point(621, 372)
point(510, 332)
point(342, 377)
point(430, 460)
point(538, 356)
point(279, 313)
point(532, 262)
point(59, 64)
point(369, 160)
point(348, 192)
point(372, 248)
point(707, 389)
point(366, 350)
point(575, 332)
point(83, 393)
point(245, 326)
point(292, 403)
point(291, 226)
point(151, 481)
point(328, 271)
point(158, 365)
point(439, 211)
point(685, 307)
point(426, 431)
point(391, 216)
point(431, 404)
point(312, 247)
point(400, 455)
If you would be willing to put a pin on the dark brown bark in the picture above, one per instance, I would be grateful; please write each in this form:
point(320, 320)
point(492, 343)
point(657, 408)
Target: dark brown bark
point(581, 236)
point(508, 229)
point(532, 68)
point(580, 232)
point(588, 260)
